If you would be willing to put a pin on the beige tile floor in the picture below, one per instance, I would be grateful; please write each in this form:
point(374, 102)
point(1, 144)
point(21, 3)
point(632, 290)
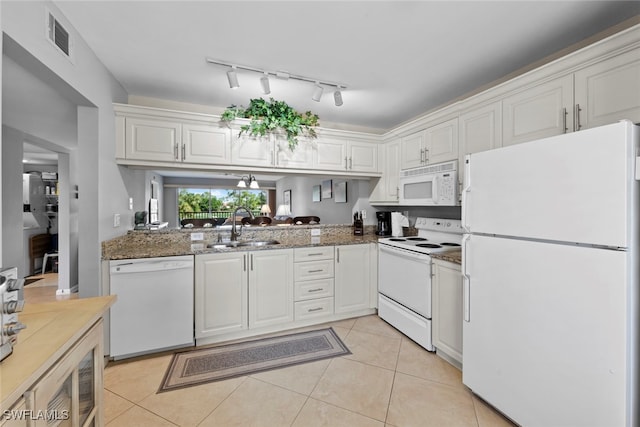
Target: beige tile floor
point(387, 381)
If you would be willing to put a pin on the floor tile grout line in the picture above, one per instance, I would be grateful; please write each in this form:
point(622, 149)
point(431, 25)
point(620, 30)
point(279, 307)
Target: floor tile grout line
point(223, 400)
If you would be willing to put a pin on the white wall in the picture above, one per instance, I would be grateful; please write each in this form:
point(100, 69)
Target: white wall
point(86, 81)
point(12, 237)
point(328, 210)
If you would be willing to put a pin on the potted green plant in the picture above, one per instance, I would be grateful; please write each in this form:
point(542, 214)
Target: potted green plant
point(273, 117)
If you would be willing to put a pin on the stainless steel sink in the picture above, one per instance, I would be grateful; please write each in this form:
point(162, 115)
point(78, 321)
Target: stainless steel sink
point(252, 243)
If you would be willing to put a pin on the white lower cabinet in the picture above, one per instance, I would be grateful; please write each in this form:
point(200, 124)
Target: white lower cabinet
point(270, 287)
point(221, 294)
point(314, 279)
point(240, 294)
point(242, 290)
point(447, 310)
point(352, 278)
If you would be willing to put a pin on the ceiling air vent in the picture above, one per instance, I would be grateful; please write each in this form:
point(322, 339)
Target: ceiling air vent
point(59, 35)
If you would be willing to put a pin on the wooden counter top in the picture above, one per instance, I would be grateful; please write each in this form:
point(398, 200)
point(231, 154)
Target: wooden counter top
point(52, 329)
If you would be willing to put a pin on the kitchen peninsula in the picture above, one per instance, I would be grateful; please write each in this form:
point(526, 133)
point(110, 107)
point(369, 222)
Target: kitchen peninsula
point(59, 351)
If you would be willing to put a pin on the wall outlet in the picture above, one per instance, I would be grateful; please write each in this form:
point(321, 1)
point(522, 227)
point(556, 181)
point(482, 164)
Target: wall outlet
point(364, 214)
point(197, 236)
point(130, 203)
point(116, 220)
point(315, 231)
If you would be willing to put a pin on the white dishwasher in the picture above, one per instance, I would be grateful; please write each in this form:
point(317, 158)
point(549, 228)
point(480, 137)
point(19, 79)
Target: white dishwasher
point(154, 310)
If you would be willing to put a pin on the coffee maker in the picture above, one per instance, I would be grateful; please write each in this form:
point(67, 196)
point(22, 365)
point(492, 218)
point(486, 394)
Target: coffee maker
point(384, 223)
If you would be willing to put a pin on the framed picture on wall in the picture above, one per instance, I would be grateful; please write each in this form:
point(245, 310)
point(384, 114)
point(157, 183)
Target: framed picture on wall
point(340, 192)
point(316, 194)
point(326, 189)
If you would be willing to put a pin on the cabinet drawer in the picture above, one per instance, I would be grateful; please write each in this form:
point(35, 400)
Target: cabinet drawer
point(312, 289)
point(315, 308)
point(313, 270)
point(313, 253)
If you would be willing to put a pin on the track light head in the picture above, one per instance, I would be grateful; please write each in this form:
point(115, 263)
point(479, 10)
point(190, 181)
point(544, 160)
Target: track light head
point(337, 96)
point(264, 82)
point(232, 76)
point(317, 92)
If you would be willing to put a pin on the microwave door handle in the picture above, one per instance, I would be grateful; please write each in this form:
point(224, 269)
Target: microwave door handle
point(435, 189)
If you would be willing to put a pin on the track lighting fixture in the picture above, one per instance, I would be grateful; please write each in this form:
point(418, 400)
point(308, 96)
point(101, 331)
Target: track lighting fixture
point(317, 92)
point(233, 77)
point(264, 82)
point(337, 96)
point(318, 88)
point(248, 181)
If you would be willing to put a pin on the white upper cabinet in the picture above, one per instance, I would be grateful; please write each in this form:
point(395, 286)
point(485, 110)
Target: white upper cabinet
point(300, 157)
point(330, 155)
point(412, 150)
point(542, 111)
point(249, 151)
point(608, 91)
point(386, 187)
point(205, 144)
point(441, 142)
point(362, 157)
point(152, 139)
point(436, 144)
point(348, 156)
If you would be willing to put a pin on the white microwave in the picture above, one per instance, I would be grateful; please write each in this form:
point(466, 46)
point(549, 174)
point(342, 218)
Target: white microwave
point(433, 185)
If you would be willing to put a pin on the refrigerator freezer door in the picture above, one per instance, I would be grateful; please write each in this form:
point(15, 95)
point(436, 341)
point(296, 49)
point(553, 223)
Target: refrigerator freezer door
point(546, 338)
point(573, 188)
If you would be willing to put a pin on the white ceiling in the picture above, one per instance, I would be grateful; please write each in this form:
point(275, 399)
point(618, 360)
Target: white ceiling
point(399, 59)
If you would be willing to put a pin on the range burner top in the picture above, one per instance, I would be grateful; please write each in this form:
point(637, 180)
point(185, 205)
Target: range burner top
point(434, 235)
point(428, 245)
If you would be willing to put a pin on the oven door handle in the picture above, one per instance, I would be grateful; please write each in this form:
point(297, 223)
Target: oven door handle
point(404, 253)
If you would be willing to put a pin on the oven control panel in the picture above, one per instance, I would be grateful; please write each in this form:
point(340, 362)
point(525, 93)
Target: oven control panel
point(440, 224)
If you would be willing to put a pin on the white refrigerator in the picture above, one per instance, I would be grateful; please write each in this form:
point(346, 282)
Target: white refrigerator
point(551, 278)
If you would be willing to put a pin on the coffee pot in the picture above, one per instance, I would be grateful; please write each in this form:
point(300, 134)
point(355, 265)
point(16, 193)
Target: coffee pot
point(384, 223)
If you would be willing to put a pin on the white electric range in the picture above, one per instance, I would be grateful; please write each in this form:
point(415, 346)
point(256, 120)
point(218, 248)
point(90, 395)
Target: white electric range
point(404, 276)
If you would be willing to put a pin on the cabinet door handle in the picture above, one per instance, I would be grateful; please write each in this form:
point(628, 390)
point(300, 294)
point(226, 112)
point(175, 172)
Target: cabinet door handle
point(426, 155)
point(315, 254)
point(346, 166)
point(337, 254)
point(184, 152)
point(251, 261)
point(311, 310)
point(350, 162)
point(576, 113)
point(565, 129)
point(244, 262)
point(175, 150)
point(421, 155)
point(316, 271)
point(315, 290)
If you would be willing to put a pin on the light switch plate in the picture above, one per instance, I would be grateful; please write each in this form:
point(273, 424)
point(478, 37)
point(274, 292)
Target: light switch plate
point(315, 240)
point(315, 231)
point(197, 236)
point(116, 220)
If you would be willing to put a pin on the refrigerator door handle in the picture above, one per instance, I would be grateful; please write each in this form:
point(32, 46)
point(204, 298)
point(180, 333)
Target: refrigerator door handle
point(466, 188)
point(466, 280)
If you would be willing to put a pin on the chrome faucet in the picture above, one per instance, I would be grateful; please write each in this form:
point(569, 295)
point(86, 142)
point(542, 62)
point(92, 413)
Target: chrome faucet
point(234, 233)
